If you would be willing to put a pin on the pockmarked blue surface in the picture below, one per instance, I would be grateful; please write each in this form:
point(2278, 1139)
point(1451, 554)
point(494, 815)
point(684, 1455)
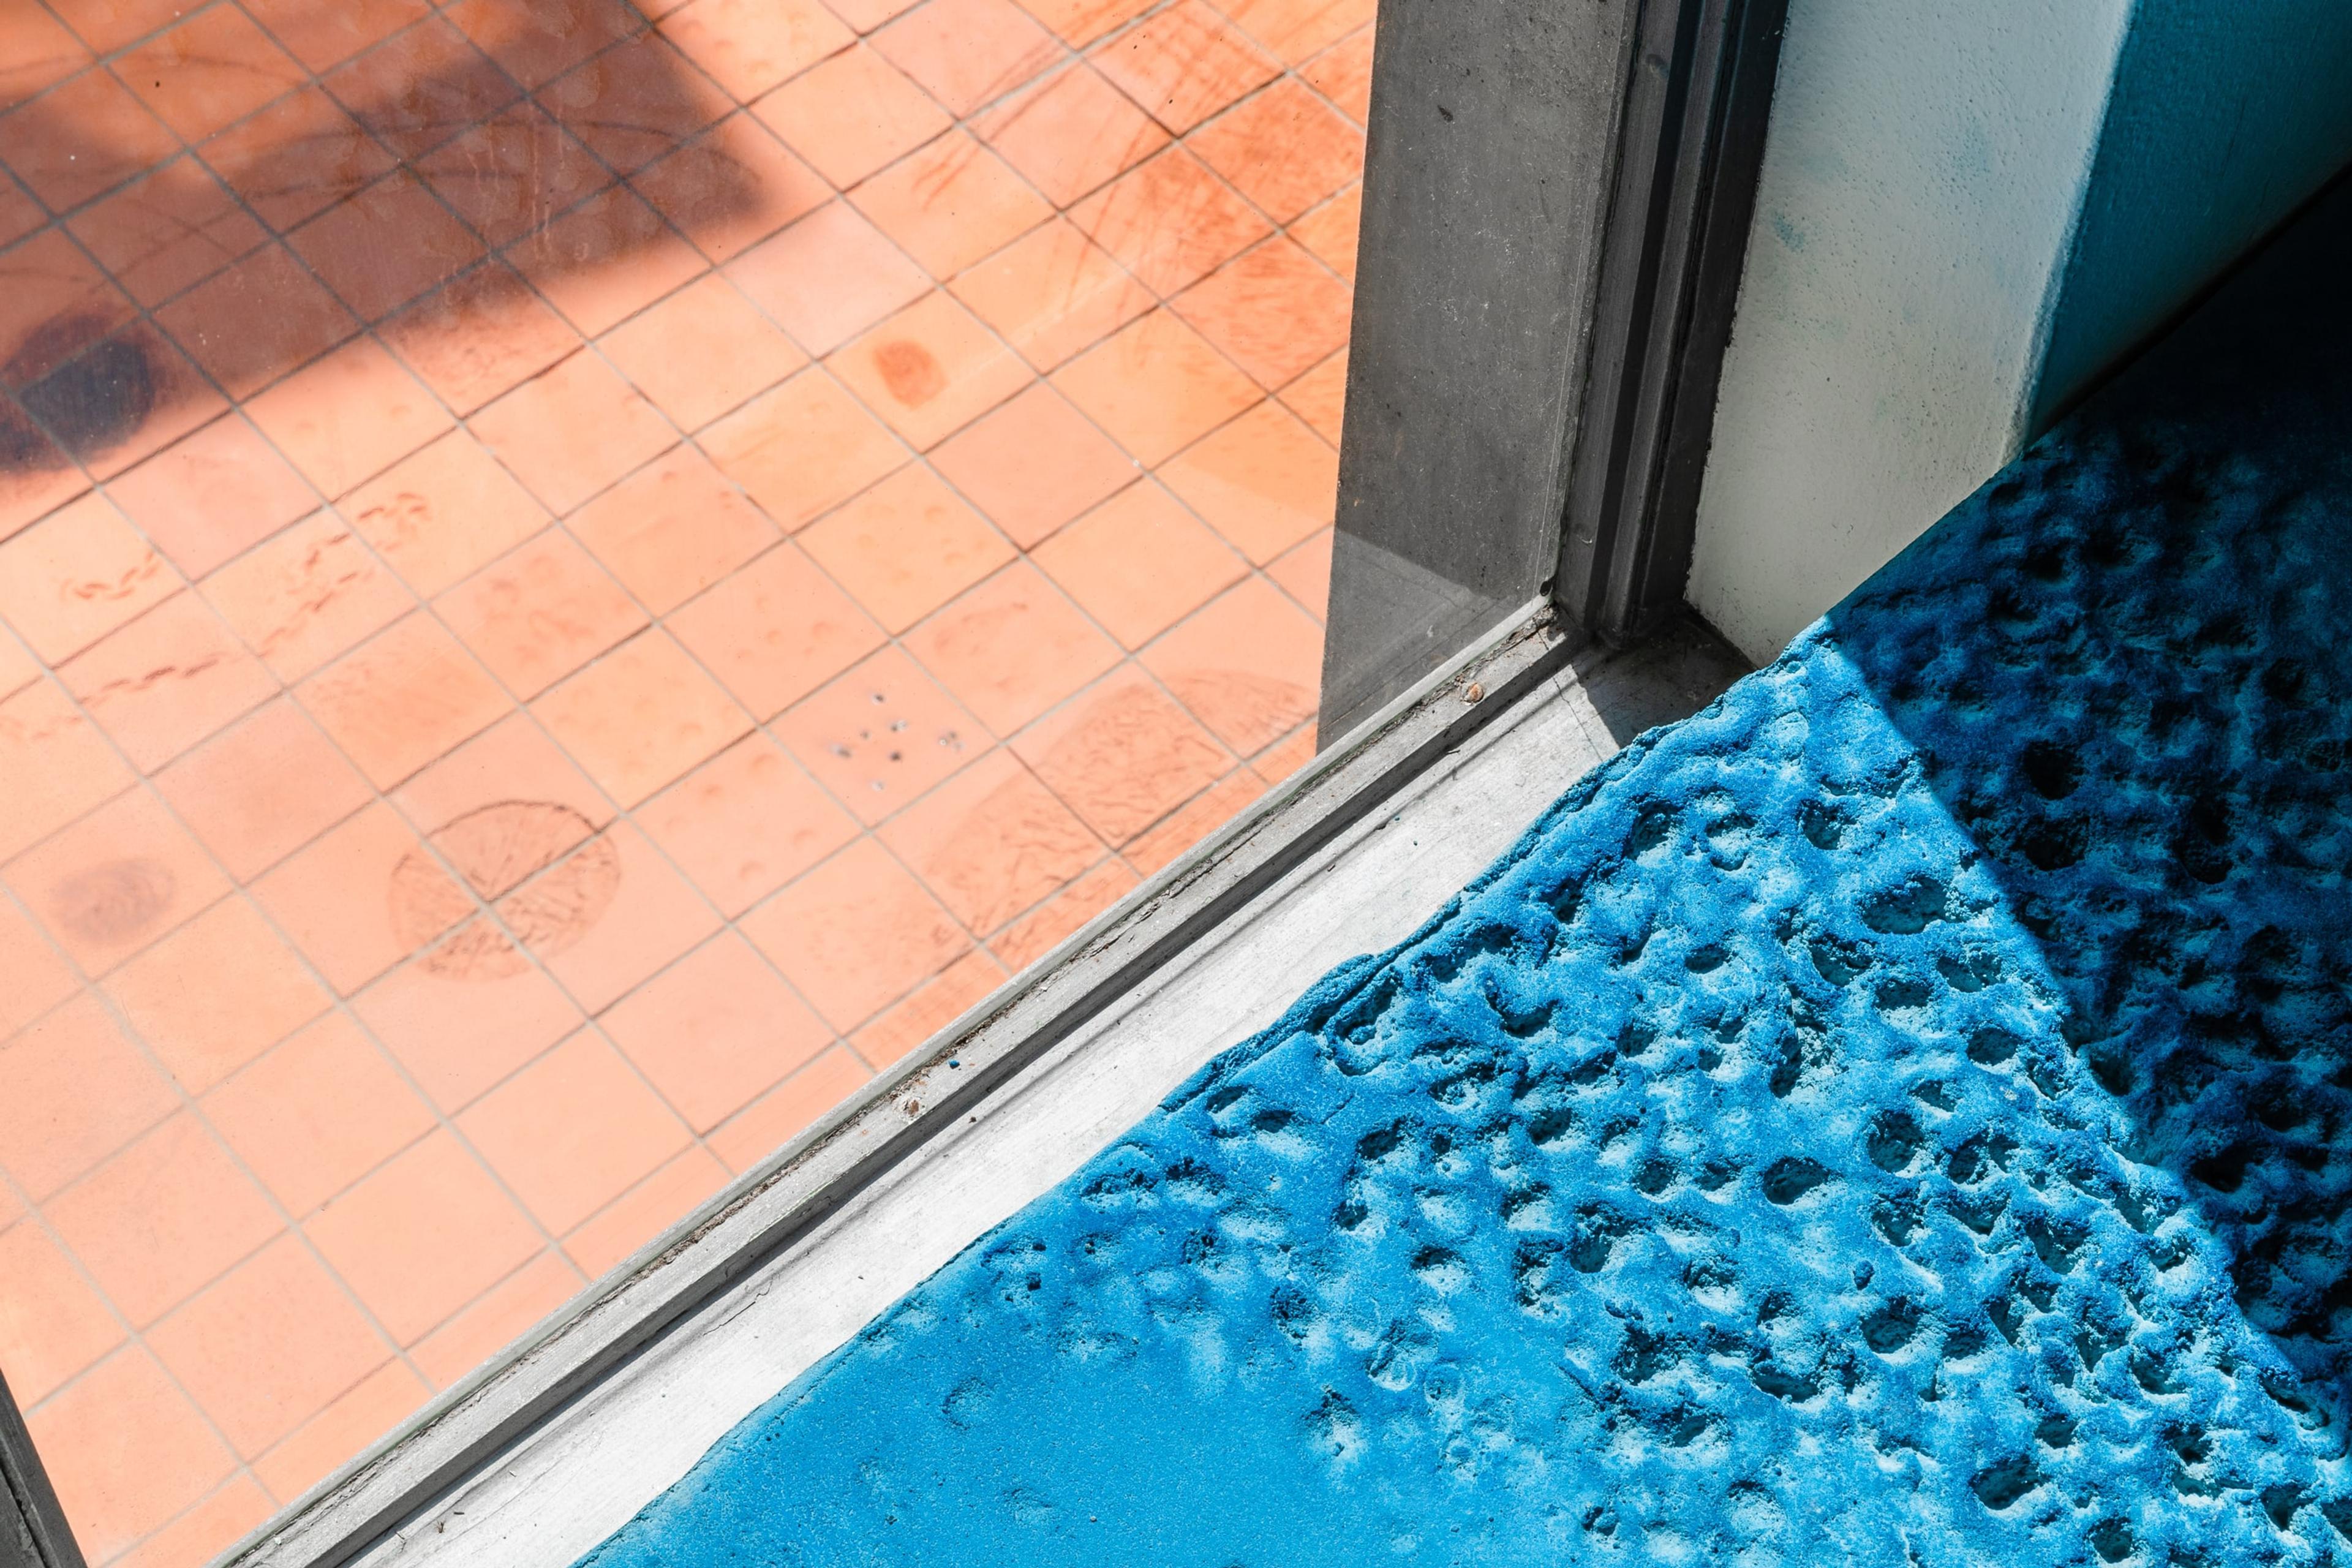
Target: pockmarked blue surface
point(1897, 1116)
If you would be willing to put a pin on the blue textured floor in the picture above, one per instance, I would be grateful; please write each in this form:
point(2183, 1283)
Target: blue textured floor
point(1897, 1116)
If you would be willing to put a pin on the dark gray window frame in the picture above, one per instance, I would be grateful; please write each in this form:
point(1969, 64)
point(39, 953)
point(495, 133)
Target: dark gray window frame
point(33, 1528)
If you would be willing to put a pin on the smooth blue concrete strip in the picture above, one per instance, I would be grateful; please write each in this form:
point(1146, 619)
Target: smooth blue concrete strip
point(1897, 1116)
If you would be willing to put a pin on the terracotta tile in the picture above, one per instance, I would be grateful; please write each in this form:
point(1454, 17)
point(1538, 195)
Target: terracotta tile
point(930, 370)
point(126, 1452)
point(76, 1090)
point(45, 480)
point(1012, 647)
point(465, 1014)
point(481, 335)
point(1320, 396)
point(510, 172)
point(854, 935)
point(258, 319)
point(775, 1118)
point(20, 215)
point(354, 939)
point(1329, 232)
point(1170, 221)
point(673, 528)
point(1343, 73)
point(605, 259)
point(537, 40)
point(205, 1531)
point(347, 417)
point(54, 303)
point(298, 157)
point(951, 202)
point(167, 232)
point(1156, 386)
point(307, 594)
point(905, 547)
point(938, 1003)
point(1035, 934)
point(636, 102)
point(1052, 293)
point(52, 1324)
point(502, 1315)
point(573, 1130)
point(208, 72)
point(573, 431)
point(966, 53)
point(655, 915)
point(109, 25)
point(317, 1113)
point(828, 278)
point(116, 880)
point(45, 145)
point(1266, 481)
point(162, 1219)
point(1248, 666)
point(1184, 64)
point(53, 764)
point(422, 88)
point(212, 496)
point(992, 842)
point(375, 1406)
point(715, 1030)
point(386, 246)
point(90, 404)
point(1295, 29)
point(422, 1235)
point(1081, 22)
point(731, 188)
point(1304, 573)
point(541, 612)
point(652, 1206)
point(1279, 761)
point(881, 735)
point(1275, 310)
point(742, 825)
point(36, 53)
point(851, 114)
point(443, 514)
point(268, 1345)
point(217, 994)
point(1122, 755)
point(402, 699)
point(323, 37)
point(34, 977)
point(803, 449)
point(641, 716)
point(776, 631)
point(512, 762)
point(69, 580)
point(1285, 149)
point(18, 668)
point(1070, 133)
point(1201, 817)
point(751, 46)
point(167, 681)
point(1035, 464)
point(701, 352)
point(1138, 563)
point(867, 15)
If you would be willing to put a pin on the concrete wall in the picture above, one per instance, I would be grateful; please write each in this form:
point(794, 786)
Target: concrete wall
point(1968, 211)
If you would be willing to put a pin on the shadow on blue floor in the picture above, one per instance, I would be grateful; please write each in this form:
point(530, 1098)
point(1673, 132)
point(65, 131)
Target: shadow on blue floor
point(1897, 1116)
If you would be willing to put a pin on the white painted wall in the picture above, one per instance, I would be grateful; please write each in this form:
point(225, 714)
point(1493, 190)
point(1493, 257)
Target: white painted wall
point(1926, 163)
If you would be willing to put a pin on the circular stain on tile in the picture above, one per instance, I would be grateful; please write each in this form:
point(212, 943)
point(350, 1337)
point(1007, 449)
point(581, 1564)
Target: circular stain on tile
point(911, 372)
point(115, 901)
point(540, 864)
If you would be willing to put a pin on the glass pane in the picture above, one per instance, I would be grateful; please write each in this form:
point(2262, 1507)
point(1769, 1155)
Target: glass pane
point(577, 580)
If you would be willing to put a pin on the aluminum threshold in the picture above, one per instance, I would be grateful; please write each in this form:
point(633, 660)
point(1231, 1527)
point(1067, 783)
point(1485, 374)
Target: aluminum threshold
point(550, 1446)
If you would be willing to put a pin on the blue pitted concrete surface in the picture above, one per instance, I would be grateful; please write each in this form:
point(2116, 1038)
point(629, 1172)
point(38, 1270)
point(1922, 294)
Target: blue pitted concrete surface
point(1897, 1116)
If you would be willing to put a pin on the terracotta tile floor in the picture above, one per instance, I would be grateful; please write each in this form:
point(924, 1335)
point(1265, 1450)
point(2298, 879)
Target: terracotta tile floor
point(577, 579)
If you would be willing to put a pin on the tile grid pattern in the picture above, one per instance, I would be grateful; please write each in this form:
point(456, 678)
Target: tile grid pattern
point(180, 1414)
